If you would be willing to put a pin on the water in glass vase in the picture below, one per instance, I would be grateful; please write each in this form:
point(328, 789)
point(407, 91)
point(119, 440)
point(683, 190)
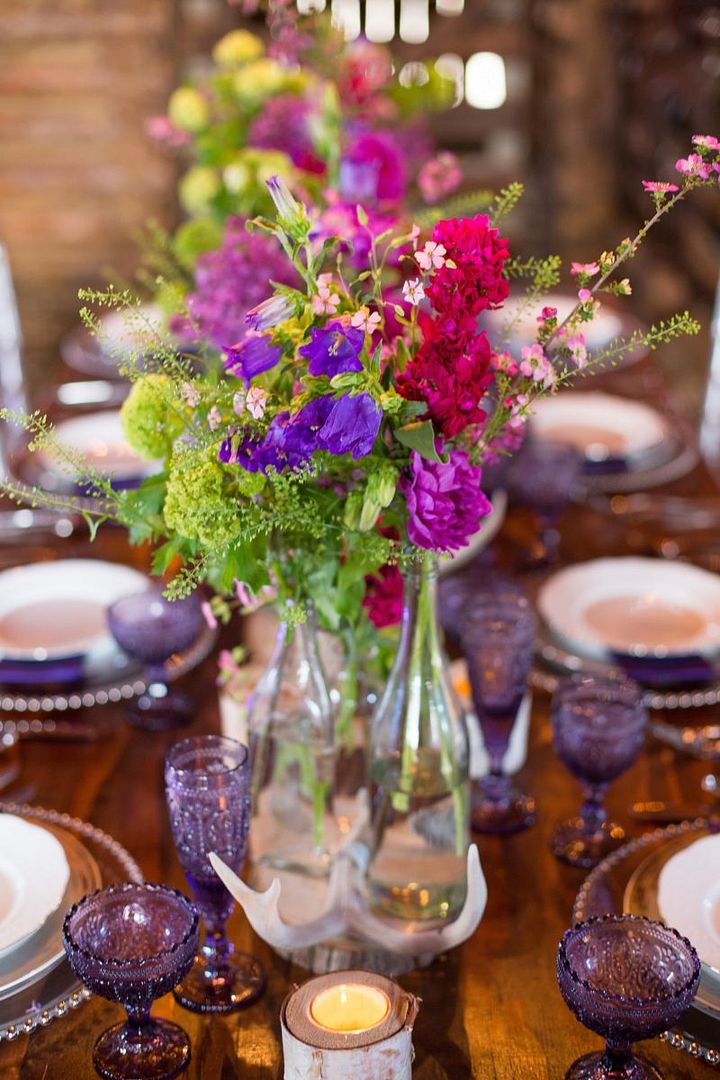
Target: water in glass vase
point(418, 872)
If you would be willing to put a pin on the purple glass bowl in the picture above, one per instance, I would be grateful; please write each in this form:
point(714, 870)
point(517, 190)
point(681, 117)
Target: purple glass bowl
point(626, 978)
point(152, 628)
point(133, 943)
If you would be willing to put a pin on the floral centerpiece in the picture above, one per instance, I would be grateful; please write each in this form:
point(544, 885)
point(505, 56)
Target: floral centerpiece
point(341, 445)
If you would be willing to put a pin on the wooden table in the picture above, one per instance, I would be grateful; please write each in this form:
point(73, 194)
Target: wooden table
point(491, 1009)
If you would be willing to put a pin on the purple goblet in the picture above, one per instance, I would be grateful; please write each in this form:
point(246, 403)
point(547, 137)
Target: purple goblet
point(626, 978)
point(207, 782)
point(598, 729)
point(133, 943)
point(151, 629)
point(543, 476)
point(498, 640)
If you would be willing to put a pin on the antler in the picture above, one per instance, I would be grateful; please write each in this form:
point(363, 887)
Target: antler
point(346, 911)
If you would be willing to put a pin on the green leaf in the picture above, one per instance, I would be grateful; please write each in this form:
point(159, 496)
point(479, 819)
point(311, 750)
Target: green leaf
point(362, 215)
point(164, 555)
point(420, 436)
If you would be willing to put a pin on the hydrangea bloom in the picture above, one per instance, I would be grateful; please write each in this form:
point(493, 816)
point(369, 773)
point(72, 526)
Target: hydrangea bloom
point(445, 503)
point(232, 280)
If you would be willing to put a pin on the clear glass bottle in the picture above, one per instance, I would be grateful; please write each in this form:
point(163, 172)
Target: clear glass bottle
point(419, 762)
point(292, 746)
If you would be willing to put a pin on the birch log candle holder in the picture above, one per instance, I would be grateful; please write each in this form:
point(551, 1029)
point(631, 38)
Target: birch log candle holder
point(348, 1025)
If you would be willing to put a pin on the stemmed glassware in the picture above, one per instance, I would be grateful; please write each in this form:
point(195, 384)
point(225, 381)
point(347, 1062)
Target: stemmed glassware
point(151, 628)
point(598, 729)
point(207, 781)
point(133, 943)
point(626, 978)
point(543, 476)
point(498, 639)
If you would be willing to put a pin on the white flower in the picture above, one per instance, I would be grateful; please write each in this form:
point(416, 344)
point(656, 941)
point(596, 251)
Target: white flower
point(414, 291)
point(432, 256)
point(365, 320)
point(256, 401)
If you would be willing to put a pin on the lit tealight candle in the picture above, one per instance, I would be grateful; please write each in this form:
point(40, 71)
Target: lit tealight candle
point(349, 1008)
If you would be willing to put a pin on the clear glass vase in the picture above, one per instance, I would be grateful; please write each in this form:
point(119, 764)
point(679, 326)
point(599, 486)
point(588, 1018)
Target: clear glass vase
point(419, 772)
point(292, 746)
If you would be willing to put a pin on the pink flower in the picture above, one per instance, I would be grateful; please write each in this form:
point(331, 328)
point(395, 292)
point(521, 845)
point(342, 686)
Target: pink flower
point(325, 302)
point(547, 313)
point(693, 165)
point(214, 418)
point(414, 291)
point(256, 401)
point(162, 130)
point(439, 177)
point(243, 593)
point(578, 350)
point(586, 269)
point(536, 366)
point(208, 615)
point(708, 141)
point(475, 280)
point(506, 362)
point(584, 295)
point(366, 320)
point(239, 403)
point(659, 187)
point(414, 234)
point(432, 256)
point(191, 394)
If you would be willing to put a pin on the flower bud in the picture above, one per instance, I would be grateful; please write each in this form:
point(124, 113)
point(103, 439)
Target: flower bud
point(271, 312)
point(188, 109)
point(291, 214)
point(382, 484)
point(370, 512)
point(353, 509)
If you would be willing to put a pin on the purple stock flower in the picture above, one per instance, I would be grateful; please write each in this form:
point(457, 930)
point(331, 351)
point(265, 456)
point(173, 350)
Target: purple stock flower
point(333, 349)
point(444, 501)
point(251, 356)
point(285, 123)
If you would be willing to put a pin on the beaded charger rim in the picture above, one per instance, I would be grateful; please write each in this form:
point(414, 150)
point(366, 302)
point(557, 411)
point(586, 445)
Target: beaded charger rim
point(45, 1010)
point(295, 1011)
point(678, 1039)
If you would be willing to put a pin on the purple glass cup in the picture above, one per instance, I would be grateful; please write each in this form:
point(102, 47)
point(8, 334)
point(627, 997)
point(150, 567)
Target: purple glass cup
point(207, 783)
point(626, 978)
point(598, 727)
point(498, 641)
point(543, 477)
point(133, 943)
point(151, 629)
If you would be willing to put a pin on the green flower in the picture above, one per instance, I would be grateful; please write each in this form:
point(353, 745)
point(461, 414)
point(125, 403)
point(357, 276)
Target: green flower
point(149, 418)
point(197, 504)
point(198, 188)
point(237, 47)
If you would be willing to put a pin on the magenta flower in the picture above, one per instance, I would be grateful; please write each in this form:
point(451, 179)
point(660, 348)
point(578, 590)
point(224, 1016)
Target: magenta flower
point(444, 501)
point(708, 141)
point(372, 169)
point(693, 165)
point(439, 177)
point(586, 269)
point(285, 123)
point(659, 187)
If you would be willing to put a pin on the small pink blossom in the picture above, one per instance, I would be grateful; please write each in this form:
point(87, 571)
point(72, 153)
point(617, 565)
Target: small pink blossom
point(432, 256)
point(708, 141)
point(214, 418)
point(243, 593)
point(414, 291)
point(414, 234)
point(693, 165)
point(587, 269)
point(256, 401)
point(325, 302)
point(239, 403)
point(191, 394)
point(578, 349)
point(547, 313)
point(208, 615)
point(162, 130)
point(536, 366)
point(366, 320)
point(584, 295)
point(506, 362)
point(659, 187)
point(252, 601)
point(439, 177)
point(517, 405)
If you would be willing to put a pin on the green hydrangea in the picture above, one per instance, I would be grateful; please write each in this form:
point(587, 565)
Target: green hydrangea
point(198, 504)
point(150, 419)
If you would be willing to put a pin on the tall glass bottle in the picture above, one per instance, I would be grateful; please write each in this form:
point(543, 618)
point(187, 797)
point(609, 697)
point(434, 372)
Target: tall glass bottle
point(292, 746)
point(419, 771)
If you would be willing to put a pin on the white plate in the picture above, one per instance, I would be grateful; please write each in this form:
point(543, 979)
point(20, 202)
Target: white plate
point(689, 897)
point(99, 438)
point(34, 874)
point(634, 607)
point(600, 426)
point(130, 332)
point(54, 610)
point(598, 334)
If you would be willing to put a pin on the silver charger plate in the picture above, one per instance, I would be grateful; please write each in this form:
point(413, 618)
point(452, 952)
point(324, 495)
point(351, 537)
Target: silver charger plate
point(97, 692)
point(682, 457)
point(43, 951)
point(603, 892)
point(59, 992)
